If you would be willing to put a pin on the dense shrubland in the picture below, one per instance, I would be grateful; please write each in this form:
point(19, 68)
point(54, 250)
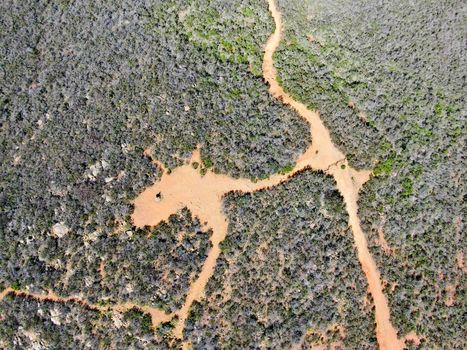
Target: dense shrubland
point(288, 266)
point(31, 324)
point(152, 267)
point(389, 81)
point(212, 54)
point(86, 87)
point(156, 270)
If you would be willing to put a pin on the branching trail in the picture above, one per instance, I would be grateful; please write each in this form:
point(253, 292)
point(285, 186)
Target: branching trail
point(349, 182)
point(203, 194)
point(185, 186)
point(157, 316)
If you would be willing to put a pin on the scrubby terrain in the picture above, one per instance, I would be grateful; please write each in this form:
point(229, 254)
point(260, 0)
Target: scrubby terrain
point(287, 267)
point(87, 86)
point(31, 324)
point(98, 98)
point(389, 81)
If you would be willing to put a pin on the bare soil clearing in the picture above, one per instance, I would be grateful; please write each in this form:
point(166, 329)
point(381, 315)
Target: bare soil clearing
point(186, 187)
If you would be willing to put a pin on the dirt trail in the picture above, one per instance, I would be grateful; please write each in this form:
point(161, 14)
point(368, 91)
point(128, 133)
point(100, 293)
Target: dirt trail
point(185, 186)
point(157, 316)
point(349, 182)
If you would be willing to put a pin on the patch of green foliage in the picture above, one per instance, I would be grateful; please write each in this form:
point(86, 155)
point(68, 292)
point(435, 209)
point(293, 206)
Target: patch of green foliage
point(286, 169)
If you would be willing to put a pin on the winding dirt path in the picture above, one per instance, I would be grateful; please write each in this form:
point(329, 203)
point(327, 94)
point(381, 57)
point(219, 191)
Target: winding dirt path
point(157, 316)
point(185, 186)
point(349, 182)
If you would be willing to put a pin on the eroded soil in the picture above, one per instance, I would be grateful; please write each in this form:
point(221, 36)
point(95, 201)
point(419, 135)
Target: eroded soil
point(187, 186)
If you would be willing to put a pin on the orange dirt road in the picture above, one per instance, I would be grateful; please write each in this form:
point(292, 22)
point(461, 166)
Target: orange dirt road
point(349, 182)
point(186, 187)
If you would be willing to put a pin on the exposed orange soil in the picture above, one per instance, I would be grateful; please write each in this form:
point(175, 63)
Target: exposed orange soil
point(450, 295)
point(102, 273)
point(186, 187)
point(157, 316)
point(349, 182)
point(460, 260)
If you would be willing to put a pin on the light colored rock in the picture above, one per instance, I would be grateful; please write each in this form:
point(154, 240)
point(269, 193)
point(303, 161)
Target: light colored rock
point(129, 288)
point(117, 318)
point(60, 229)
point(55, 316)
point(95, 169)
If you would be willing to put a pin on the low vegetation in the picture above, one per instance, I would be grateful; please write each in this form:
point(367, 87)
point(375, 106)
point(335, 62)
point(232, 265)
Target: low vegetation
point(31, 324)
point(86, 88)
point(288, 267)
point(388, 79)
